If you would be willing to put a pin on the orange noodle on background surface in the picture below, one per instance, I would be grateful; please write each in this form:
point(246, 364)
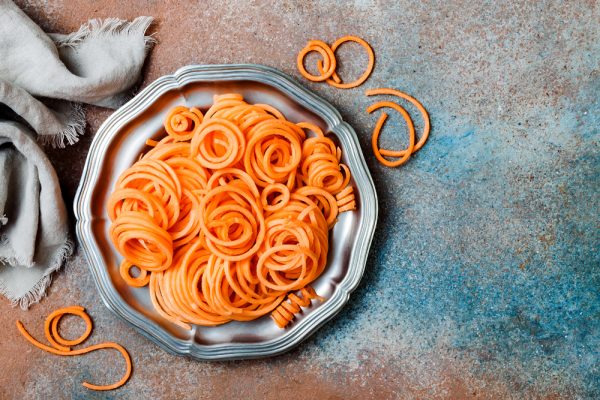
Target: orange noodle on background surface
point(327, 66)
point(229, 213)
point(413, 147)
point(62, 347)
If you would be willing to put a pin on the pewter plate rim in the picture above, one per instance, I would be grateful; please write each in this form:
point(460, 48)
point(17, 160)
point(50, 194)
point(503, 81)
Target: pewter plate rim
point(227, 72)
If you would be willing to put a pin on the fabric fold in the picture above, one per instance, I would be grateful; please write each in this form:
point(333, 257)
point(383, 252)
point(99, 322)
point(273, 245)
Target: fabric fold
point(57, 122)
point(43, 80)
point(95, 65)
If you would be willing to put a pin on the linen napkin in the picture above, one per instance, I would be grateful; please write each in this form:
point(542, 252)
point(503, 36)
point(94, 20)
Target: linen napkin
point(42, 76)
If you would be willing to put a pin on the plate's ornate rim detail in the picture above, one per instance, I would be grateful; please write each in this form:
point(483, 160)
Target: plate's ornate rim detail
point(362, 178)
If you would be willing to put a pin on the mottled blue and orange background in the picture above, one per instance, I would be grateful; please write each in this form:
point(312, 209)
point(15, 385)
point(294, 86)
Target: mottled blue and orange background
point(484, 277)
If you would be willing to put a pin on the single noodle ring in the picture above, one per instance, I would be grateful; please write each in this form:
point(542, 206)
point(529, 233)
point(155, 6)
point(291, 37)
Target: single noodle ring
point(380, 122)
point(225, 152)
point(51, 327)
point(125, 271)
point(311, 127)
point(181, 123)
point(335, 80)
point(328, 65)
point(280, 201)
point(422, 110)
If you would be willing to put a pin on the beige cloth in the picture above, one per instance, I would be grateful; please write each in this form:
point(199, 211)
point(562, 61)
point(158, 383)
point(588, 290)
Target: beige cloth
point(42, 76)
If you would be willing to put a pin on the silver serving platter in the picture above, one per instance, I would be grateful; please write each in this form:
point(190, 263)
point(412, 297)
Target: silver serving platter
point(118, 144)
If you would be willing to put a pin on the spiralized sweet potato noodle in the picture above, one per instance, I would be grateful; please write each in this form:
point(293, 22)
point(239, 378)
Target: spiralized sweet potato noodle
point(61, 346)
point(229, 213)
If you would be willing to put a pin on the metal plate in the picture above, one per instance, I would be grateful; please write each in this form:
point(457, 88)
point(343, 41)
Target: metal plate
point(119, 142)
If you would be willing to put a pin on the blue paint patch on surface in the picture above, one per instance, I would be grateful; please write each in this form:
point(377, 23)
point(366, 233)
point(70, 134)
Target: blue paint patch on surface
point(487, 253)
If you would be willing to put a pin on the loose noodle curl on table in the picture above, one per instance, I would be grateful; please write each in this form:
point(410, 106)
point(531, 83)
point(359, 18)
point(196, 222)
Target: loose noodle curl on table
point(62, 347)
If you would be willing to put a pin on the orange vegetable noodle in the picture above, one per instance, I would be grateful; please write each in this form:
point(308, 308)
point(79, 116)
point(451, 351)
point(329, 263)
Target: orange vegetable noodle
point(286, 312)
point(229, 213)
point(335, 80)
point(412, 146)
point(61, 346)
point(181, 122)
point(327, 67)
point(328, 64)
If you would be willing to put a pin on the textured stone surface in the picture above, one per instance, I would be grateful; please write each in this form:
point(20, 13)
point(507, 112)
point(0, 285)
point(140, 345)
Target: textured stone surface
point(483, 279)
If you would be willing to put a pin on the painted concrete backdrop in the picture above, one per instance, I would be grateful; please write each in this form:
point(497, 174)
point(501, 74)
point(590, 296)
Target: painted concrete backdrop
point(484, 276)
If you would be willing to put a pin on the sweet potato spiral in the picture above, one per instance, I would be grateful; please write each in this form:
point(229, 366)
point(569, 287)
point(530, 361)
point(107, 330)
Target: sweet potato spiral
point(229, 212)
point(286, 312)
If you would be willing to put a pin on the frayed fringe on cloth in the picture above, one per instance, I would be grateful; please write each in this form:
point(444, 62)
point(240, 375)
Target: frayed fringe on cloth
point(109, 26)
point(75, 127)
point(94, 28)
point(38, 292)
